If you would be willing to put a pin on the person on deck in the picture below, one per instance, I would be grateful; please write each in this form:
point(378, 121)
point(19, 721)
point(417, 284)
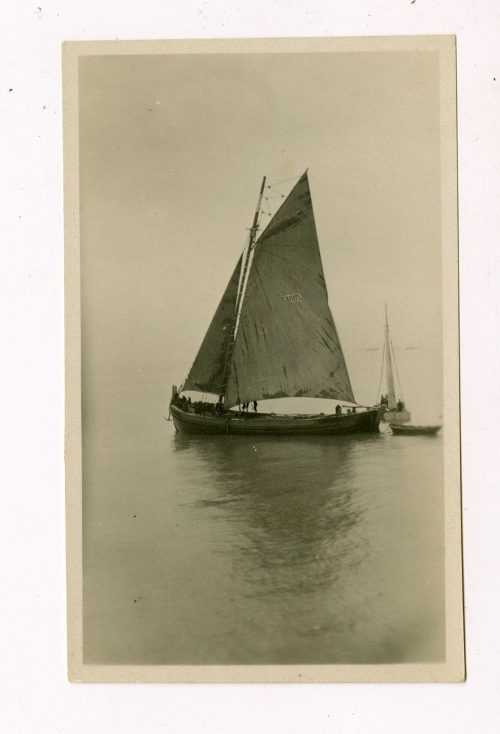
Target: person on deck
point(338, 410)
point(400, 406)
point(254, 406)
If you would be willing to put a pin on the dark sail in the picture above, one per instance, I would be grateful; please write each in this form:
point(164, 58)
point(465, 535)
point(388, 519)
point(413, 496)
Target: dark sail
point(286, 343)
point(206, 374)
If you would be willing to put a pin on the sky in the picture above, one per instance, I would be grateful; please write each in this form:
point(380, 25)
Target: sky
point(172, 153)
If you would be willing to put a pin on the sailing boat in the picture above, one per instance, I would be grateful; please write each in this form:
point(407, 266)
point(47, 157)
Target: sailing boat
point(273, 336)
point(394, 410)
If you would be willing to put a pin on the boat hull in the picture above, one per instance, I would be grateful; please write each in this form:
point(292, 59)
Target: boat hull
point(276, 425)
point(414, 430)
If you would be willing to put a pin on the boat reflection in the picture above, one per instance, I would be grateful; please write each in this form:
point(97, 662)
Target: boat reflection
point(294, 502)
point(320, 556)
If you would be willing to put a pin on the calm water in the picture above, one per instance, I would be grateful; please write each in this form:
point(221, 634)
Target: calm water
point(275, 550)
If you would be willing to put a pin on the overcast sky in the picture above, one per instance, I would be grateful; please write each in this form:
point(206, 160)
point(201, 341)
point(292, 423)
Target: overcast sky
point(172, 152)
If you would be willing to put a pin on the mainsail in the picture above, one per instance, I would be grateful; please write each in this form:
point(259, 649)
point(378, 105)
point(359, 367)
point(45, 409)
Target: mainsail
point(276, 328)
point(286, 343)
point(206, 374)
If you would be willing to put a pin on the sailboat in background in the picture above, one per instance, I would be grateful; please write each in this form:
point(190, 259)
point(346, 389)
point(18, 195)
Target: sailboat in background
point(273, 336)
point(394, 410)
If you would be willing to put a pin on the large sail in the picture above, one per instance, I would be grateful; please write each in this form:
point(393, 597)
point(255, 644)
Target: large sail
point(206, 374)
point(287, 344)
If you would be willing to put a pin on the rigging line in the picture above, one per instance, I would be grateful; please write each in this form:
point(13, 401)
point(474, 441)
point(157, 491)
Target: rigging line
point(281, 196)
point(397, 373)
point(266, 210)
point(259, 225)
point(286, 180)
point(285, 199)
point(381, 373)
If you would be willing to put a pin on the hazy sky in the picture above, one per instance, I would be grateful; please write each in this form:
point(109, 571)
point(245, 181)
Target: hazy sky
point(173, 150)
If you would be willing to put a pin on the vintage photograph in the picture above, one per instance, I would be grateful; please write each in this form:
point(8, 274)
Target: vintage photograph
point(263, 446)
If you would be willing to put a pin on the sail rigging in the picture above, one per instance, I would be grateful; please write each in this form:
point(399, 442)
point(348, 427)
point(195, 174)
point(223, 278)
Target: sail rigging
point(286, 344)
point(273, 334)
point(394, 409)
point(391, 392)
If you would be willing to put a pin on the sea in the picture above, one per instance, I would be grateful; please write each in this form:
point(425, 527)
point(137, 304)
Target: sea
point(245, 550)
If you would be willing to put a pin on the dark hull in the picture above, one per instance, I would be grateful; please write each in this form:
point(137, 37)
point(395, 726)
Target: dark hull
point(414, 430)
point(275, 425)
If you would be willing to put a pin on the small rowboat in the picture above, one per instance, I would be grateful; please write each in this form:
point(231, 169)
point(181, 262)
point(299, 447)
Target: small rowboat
point(406, 430)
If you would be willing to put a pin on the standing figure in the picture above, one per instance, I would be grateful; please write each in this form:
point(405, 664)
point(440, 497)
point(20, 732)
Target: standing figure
point(254, 406)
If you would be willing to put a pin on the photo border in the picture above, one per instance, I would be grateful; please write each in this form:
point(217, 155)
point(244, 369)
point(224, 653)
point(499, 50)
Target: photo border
point(453, 669)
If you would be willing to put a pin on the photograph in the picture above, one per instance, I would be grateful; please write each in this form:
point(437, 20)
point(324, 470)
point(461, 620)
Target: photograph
point(262, 360)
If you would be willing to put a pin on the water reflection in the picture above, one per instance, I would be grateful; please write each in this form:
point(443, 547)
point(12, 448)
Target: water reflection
point(298, 512)
point(227, 550)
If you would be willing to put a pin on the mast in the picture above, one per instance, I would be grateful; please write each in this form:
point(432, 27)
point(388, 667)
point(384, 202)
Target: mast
point(391, 394)
point(241, 292)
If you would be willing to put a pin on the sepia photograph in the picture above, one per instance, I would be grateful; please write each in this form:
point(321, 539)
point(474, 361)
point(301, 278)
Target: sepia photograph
point(262, 360)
